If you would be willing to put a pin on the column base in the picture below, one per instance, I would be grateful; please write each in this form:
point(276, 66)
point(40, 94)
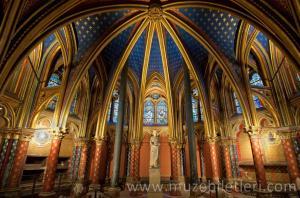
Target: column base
point(78, 189)
point(155, 195)
point(263, 193)
point(112, 191)
point(94, 191)
point(48, 194)
point(13, 192)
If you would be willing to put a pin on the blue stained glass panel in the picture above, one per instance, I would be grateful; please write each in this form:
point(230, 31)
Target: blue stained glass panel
point(115, 110)
point(257, 102)
point(195, 109)
point(256, 80)
point(52, 104)
point(54, 80)
point(237, 104)
point(149, 113)
point(162, 113)
point(73, 105)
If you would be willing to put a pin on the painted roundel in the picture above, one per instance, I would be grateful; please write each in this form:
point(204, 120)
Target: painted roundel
point(41, 137)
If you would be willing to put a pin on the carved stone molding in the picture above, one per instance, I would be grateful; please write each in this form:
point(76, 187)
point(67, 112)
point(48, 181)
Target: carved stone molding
point(253, 131)
point(59, 133)
point(213, 139)
point(155, 12)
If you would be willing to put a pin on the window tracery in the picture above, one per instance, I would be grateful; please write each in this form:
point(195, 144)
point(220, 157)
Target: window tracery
point(162, 113)
point(54, 80)
point(238, 108)
point(257, 102)
point(255, 80)
point(149, 112)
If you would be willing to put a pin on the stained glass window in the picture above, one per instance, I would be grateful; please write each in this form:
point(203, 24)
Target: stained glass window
point(73, 105)
point(52, 104)
point(237, 104)
point(256, 80)
point(115, 110)
point(149, 113)
point(257, 102)
point(54, 80)
point(195, 109)
point(109, 113)
point(162, 113)
point(201, 112)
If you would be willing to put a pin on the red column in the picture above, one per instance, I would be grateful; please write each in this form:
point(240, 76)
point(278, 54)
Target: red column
point(98, 164)
point(290, 156)
point(83, 160)
point(254, 135)
point(135, 161)
point(20, 158)
point(174, 161)
point(226, 153)
point(6, 152)
point(49, 175)
point(215, 159)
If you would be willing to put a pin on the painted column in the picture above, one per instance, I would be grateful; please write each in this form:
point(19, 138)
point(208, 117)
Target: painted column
point(226, 155)
point(174, 161)
point(215, 159)
point(190, 128)
point(83, 160)
point(290, 156)
point(20, 158)
point(119, 129)
point(135, 161)
point(99, 163)
point(9, 147)
point(79, 187)
point(49, 175)
point(254, 134)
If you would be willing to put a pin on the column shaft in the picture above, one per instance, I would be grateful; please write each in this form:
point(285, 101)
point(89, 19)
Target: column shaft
point(83, 161)
point(175, 157)
point(119, 129)
point(228, 170)
point(135, 162)
point(215, 160)
point(19, 162)
point(291, 159)
point(190, 128)
point(49, 176)
point(99, 161)
point(258, 160)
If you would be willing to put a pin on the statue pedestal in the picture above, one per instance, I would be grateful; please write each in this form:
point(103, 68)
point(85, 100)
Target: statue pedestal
point(154, 183)
point(154, 176)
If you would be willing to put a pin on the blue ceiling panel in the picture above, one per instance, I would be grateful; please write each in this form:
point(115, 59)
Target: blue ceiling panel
point(175, 59)
point(113, 52)
point(48, 42)
point(155, 62)
point(136, 58)
point(263, 40)
point(219, 26)
point(91, 28)
point(197, 53)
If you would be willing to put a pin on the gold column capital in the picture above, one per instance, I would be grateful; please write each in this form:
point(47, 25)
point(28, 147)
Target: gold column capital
point(59, 133)
point(286, 135)
point(80, 141)
point(26, 134)
point(253, 131)
point(225, 142)
point(212, 139)
point(100, 141)
point(288, 132)
point(135, 143)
